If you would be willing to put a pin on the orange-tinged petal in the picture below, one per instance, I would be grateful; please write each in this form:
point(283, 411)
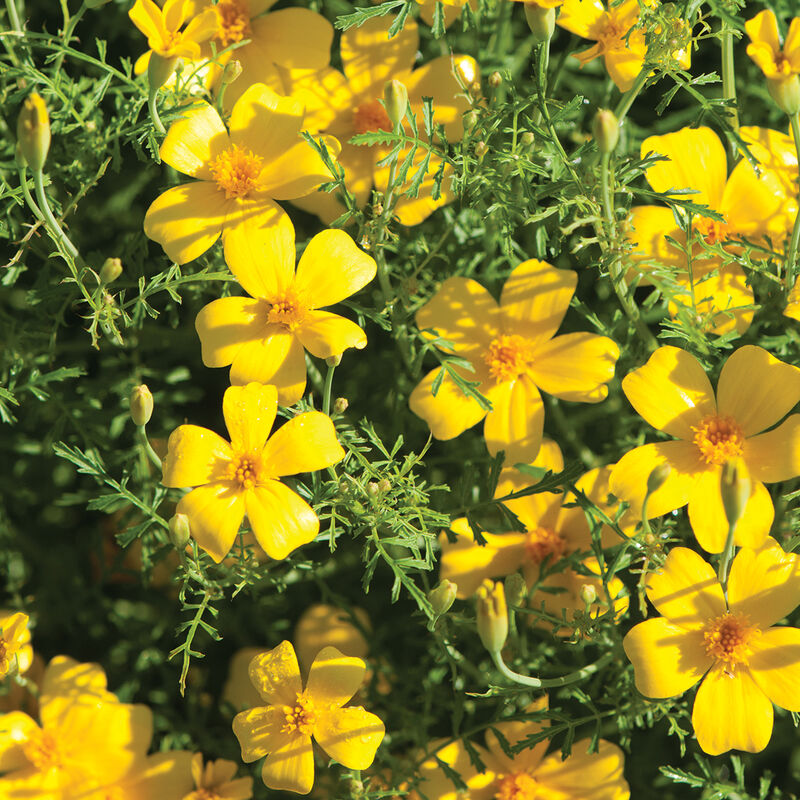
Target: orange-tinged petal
point(299, 171)
point(215, 513)
point(731, 713)
point(293, 38)
point(332, 268)
point(686, 590)
point(535, 298)
point(281, 520)
point(585, 18)
point(195, 456)
point(290, 768)
point(249, 413)
point(671, 391)
point(774, 456)
point(763, 28)
point(757, 389)
point(277, 359)
point(350, 735)
point(667, 659)
point(226, 324)
point(516, 420)
point(334, 678)
point(305, 443)
point(325, 334)
point(775, 666)
point(266, 123)
point(194, 141)
point(276, 675)
point(590, 776)
point(575, 366)
point(186, 220)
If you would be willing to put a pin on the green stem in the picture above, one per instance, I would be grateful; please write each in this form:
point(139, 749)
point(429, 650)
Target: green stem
point(55, 229)
point(151, 105)
point(729, 80)
point(13, 15)
point(626, 101)
point(144, 442)
point(791, 255)
point(69, 27)
point(645, 519)
point(725, 558)
point(26, 193)
point(551, 683)
point(326, 391)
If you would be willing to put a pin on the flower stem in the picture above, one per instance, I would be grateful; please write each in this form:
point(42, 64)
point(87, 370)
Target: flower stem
point(551, 683)
point(725, 558)
point(626, 101)
point(151, 105)
point(729, 79)
point(144, 443)
point(56, 232)
point(13, 15)
point(326, 391)
point(26, 193)
point(791, 255)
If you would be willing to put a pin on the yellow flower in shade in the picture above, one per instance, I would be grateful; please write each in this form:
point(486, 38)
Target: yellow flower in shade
point(162, 27)
point(344, 104)
point(672, 392)
point(239, 175)
point(529, 774)
point(514, 353)
point(748, 665)
point(16, 653)
point(776, 62)
point(263, 336)
point(166, 776)
point(242, 477)
point(215, 781)
point(752, 205)
point(283, 729)
point(621, 44)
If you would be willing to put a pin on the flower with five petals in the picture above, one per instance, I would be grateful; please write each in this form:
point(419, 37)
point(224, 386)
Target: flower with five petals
point(16, 653)
point(162, 27)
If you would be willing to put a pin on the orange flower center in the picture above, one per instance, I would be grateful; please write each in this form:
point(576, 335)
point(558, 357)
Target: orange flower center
point(236, 171)
point(301, 717)
point(543, 542)
point(245, 469)
point(508, 357)
point(371, 116)
point(718, 439)
point(612, 37)
point(233, 20)
point(782, 64)
point(43, 752)
point(711, 230)
point(286, 311)
point(517, 786)
point(730, 638)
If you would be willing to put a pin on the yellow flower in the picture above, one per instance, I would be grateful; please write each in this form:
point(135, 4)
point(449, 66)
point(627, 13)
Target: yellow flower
point(214, 782)
point(282, 730)
point(514, 352)
point(752, 205)
point(263, 336)
point(162, 27)
point(748, 665)
point(16, 653)
point(776, 62)
point(242, 477)
point(672, 392)
point(240, 175)
point(344, 104)
point(166, 776)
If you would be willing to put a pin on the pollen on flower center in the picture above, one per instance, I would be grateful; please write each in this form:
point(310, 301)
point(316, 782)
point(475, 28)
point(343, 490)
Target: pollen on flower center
point(245, 469)
point(783, 65)
point(612, 36)
point(236, 170)
point(543, 542)
point(729, 638)
point(718, 439)
point(371, 116)
point(43, 752)
point(301, 717)
point(286, 311)
point(711, 230)
point(508, 357)
point(517, 786)
point(233, 20)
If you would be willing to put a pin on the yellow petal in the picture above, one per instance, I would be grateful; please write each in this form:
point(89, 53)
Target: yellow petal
point(290, 768)
point(215, 513)
point(159, 775)
point(671, 391)
point(305, 443)
point(276, 675)
point(70, 680)
point(147, 17)
point(757, 389)
point(595, 484)
point(763, 28)
point(535, 298)
point(514, 733)
point(174, 13)
point(332, 268)
point(436, 784)
point(412, 211)
point(224, 325)
point(323, 626)
point(648, 227)
point(753, 202)
point(774, 456)
point(775, 666)
point(293, 38)
point(592, 775)
point(731, 713)
point(535, 510)
point(791, 47)
point(195, 456)
point(281, 520)
point(15, 730)
point(328, 101)
point(449, 412)
point(299, 171)
point(667, 659)
point(249, 413)
point(585, 18)
point(186, 220)
point(334, 678)
point(625, 63)
point(350, 735)
point(277, 359)
point(325, 334)
point(516, 420)
point(259, 730)
point(194, 141)
point(548, 458)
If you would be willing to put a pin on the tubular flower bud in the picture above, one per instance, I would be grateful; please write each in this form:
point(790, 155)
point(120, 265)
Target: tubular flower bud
point(734, 486)
point(141, 405)
point(33, 131)
point(179, 531)
point(495, 80)
point(588, 594)
point(441, 597)
point(656, 479)
point(395, 98)
point(481, 149)
point(516, 589)
point(785, 93)
point(605, 129)
point(492, 615)
point(233, 69)
point(160, 69)
point(541, 21)
point(111, 270)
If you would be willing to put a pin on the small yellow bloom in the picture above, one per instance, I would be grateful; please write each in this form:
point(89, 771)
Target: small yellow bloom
point(748, 665)
point(33, 131)
point(283, 729)
point(215, 781)
point(492, 615)
point(776, 62)
point(162, 27)
point(243, 477)
point(16, 653)
point(672, 392)
point(263, 336)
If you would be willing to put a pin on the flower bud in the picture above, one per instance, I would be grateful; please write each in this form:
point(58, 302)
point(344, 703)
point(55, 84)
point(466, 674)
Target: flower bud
point(141, 405)
point(233, 69)
point(441, 597)
point(470, 120)
point(179, 531)
point(395, 99)
point(384, 485)
point(492, 615)
point(588, 594)
point(657, 477)
point(372, 489)
point(734, 486)
point(481, 149)
point(495, 80)
point(340, 405)
point(110, 271)
point(526, 140)
point(33, 131)
point(785, 93)
point(159, 70)
point(541, 21)
point(516, 589)
point(333, 361)
point(605, 129)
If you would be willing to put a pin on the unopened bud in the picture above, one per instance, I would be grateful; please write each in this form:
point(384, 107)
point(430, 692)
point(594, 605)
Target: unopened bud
point(588, 594)
point(527, 139)
point(395, 99)
point(372, 489)
point(734, 486)
point(470, 120)
point(111, 270)
point(179, 531)
point(605, 129)
point(384, 485)
point(333, 361)
point(33, 131)
point(441, 597)
point(475, 88)
point(785, 93)
point(466, 70)
point(516, 589)
point(541, 21)
point(141, 405)
point(377, 209)
point(492, 615)
point(495, 80)
point(481, 149)
point(159, 70)
point(233, 69)
point(344, 487)
point(340, 405)
point(657, 477)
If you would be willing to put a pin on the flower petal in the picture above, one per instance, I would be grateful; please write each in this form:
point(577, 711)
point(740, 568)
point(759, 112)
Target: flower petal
point(774, 456)
point(299, 171)
point(411, 211)
point(290, 768)
point(195, 456)
point(436, 784)
point(293, 38)
point(667, 659)
point(775, 666)
point(226, 324)
point(281, 520)
point(325, 334)
point(516, 421)
point(148, 18)
point(327, 98)
point(249, 413)
point(514, 733)
point(585, 18)
point(334, 678)
point(671, 391)
point(731, 713)
point(625, 63)
point(305, 443)
point(350, 735)
point(647, 229)
point(215, 513)
point(194, 141)
point(276, 676)
point(590, 776)
point(277, 359)
point(753, 202)
point(16, 729)
point(449, 412)
point(763, 28)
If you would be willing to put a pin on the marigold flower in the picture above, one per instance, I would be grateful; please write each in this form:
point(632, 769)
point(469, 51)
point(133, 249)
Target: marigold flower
point(16, 653)
point(748, 665)
point(214, 781)
point(283, 729)
point(514, 352)
point(263, 336)
point(239, 175)
point(776, 62)
point(672, 392)
point(241, 477)
point(162, 27)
